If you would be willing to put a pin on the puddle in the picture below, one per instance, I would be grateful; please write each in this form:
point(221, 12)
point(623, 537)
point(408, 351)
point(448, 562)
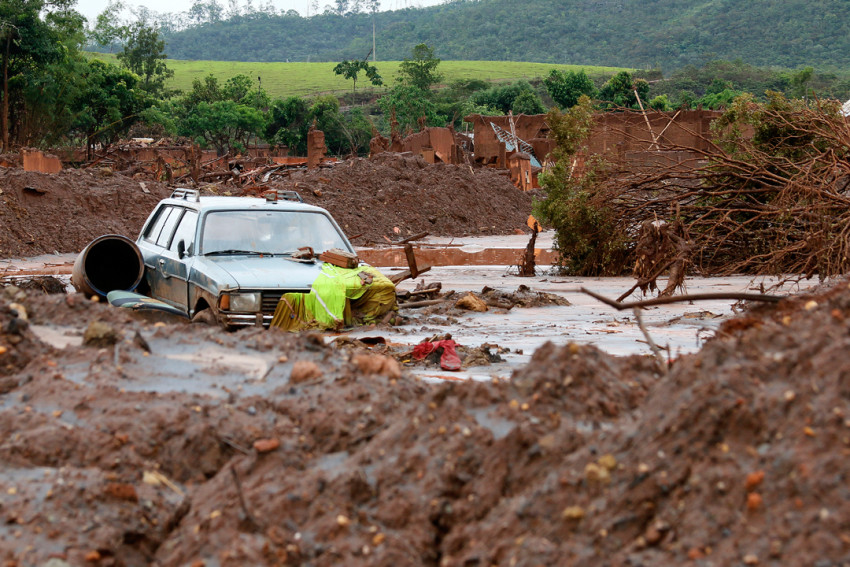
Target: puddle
point(57, 337)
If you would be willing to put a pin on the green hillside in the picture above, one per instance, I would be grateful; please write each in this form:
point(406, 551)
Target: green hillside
point(622, 33)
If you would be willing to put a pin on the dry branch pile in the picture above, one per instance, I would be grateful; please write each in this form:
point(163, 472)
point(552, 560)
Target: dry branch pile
point(769, 196)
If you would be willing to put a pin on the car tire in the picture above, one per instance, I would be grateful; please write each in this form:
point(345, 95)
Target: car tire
point(204, 317)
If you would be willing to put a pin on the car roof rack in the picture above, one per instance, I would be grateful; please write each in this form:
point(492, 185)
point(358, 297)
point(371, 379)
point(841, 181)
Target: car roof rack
point(281, 195)
point(186, 194)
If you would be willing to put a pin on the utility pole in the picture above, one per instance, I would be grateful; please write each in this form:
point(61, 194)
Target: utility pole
point(374, 53)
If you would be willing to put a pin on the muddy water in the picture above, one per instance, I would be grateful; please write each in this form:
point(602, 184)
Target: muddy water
point(467, 264)
point(471, 255)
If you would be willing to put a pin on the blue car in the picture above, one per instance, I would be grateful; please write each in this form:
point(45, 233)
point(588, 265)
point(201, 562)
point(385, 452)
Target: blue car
point(233, 257)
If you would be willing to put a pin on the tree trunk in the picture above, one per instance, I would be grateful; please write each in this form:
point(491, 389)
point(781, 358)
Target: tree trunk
point(4, 119)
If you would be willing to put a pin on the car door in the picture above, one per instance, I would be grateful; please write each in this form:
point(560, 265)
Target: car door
point(172, 265)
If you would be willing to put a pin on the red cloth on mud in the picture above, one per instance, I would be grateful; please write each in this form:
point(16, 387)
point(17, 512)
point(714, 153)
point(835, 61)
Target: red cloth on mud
point(449, 360)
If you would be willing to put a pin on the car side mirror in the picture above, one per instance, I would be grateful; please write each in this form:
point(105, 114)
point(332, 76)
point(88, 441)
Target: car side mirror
point(181, 249)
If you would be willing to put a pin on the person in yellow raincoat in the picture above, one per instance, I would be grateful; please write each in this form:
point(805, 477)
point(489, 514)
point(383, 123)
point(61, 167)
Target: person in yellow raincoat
point(340, 297)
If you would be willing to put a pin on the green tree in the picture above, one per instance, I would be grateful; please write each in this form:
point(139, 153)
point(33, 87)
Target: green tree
point(206, 12)
point(345, 132)
point(585, 234)
point(225, 125)
point(420, 70)
point(108, 29)
point(661, 102)
point(527, 102)
point(34, 37)
point(620, 91)
point(718, 100)
point(288, 124)
point(109, 104)
point(565, 87)
point(504, 98)
point(350, 70)
point(206, 90)
point(144, 54)
point(356, 129)
point(239, 88)
point(799, 80)
point(410, 104)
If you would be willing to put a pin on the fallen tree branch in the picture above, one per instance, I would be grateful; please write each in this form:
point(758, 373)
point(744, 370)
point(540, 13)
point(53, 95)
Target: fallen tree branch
point(680, 298)
point(424, 303)
point(662, 364)
point(249, 518)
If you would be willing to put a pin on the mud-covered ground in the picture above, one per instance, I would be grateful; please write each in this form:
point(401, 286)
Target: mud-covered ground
point(150, 441)
point(389, 197)
point(338, 456)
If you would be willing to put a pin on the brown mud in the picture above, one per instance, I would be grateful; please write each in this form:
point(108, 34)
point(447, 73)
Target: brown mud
point(387, 198)
point(335, 454)
point(736, 455)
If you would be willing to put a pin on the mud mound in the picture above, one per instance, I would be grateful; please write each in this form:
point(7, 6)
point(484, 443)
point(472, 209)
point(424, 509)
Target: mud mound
point(736, 455)
point(397, 195)
point(18, 346)
point(388, 197)
point(45, 213)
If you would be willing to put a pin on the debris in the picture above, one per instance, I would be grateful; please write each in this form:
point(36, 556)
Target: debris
point(378, 364)
point(754, 480)
point(121, 491)
point(682, 298)
point(471, 303)
point(527, 264)
point(445, 349)
point(99, 334)
point(341, 258)
point(303, 371)
point(266, 445)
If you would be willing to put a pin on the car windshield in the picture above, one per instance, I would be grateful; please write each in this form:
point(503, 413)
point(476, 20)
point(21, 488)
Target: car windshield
point(268, 232)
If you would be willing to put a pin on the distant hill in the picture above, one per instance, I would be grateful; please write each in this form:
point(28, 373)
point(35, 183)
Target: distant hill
point(666, 34)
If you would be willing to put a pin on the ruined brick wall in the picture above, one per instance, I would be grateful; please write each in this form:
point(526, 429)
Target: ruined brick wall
point(316, 148)
point(622, 132)
point(440, 141)
point(618, 132)
point(35, 160)
point(488, 148)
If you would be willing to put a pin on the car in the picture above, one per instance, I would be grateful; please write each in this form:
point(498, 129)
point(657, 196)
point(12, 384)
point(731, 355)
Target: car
point(234, 257)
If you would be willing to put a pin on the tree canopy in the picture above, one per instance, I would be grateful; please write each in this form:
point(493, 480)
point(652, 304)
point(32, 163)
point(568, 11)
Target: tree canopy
point(350, 70)
point(667, 34)
point(566, 87)
point(144, 54)
point(420, 70)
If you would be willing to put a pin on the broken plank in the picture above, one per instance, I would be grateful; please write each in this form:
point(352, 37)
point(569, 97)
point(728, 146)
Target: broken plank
point(419, 236)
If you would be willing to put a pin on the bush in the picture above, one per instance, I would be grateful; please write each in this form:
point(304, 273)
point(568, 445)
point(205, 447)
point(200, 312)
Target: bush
point(585, 231)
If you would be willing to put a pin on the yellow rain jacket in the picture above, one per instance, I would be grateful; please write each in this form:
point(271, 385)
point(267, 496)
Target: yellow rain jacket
point(339, 297)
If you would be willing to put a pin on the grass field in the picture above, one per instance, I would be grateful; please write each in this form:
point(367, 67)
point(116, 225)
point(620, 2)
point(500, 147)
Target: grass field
point(308, 79)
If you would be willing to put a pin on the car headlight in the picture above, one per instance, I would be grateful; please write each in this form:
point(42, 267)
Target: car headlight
point(241, 302)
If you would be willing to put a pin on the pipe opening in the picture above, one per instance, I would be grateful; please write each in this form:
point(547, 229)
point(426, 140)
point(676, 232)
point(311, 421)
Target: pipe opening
point(108, 263)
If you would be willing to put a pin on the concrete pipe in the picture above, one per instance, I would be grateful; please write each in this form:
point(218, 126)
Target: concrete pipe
point(108, 263)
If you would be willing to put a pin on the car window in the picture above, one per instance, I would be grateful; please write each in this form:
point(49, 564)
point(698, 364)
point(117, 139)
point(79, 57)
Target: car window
point(269, 232)
point(155, 228)
point(171, 219)
point(185, 230)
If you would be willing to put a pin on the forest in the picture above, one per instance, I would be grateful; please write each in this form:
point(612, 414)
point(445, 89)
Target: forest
point(664, 34)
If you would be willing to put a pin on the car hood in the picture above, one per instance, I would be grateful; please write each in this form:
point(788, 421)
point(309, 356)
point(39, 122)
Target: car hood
point(255, 272)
